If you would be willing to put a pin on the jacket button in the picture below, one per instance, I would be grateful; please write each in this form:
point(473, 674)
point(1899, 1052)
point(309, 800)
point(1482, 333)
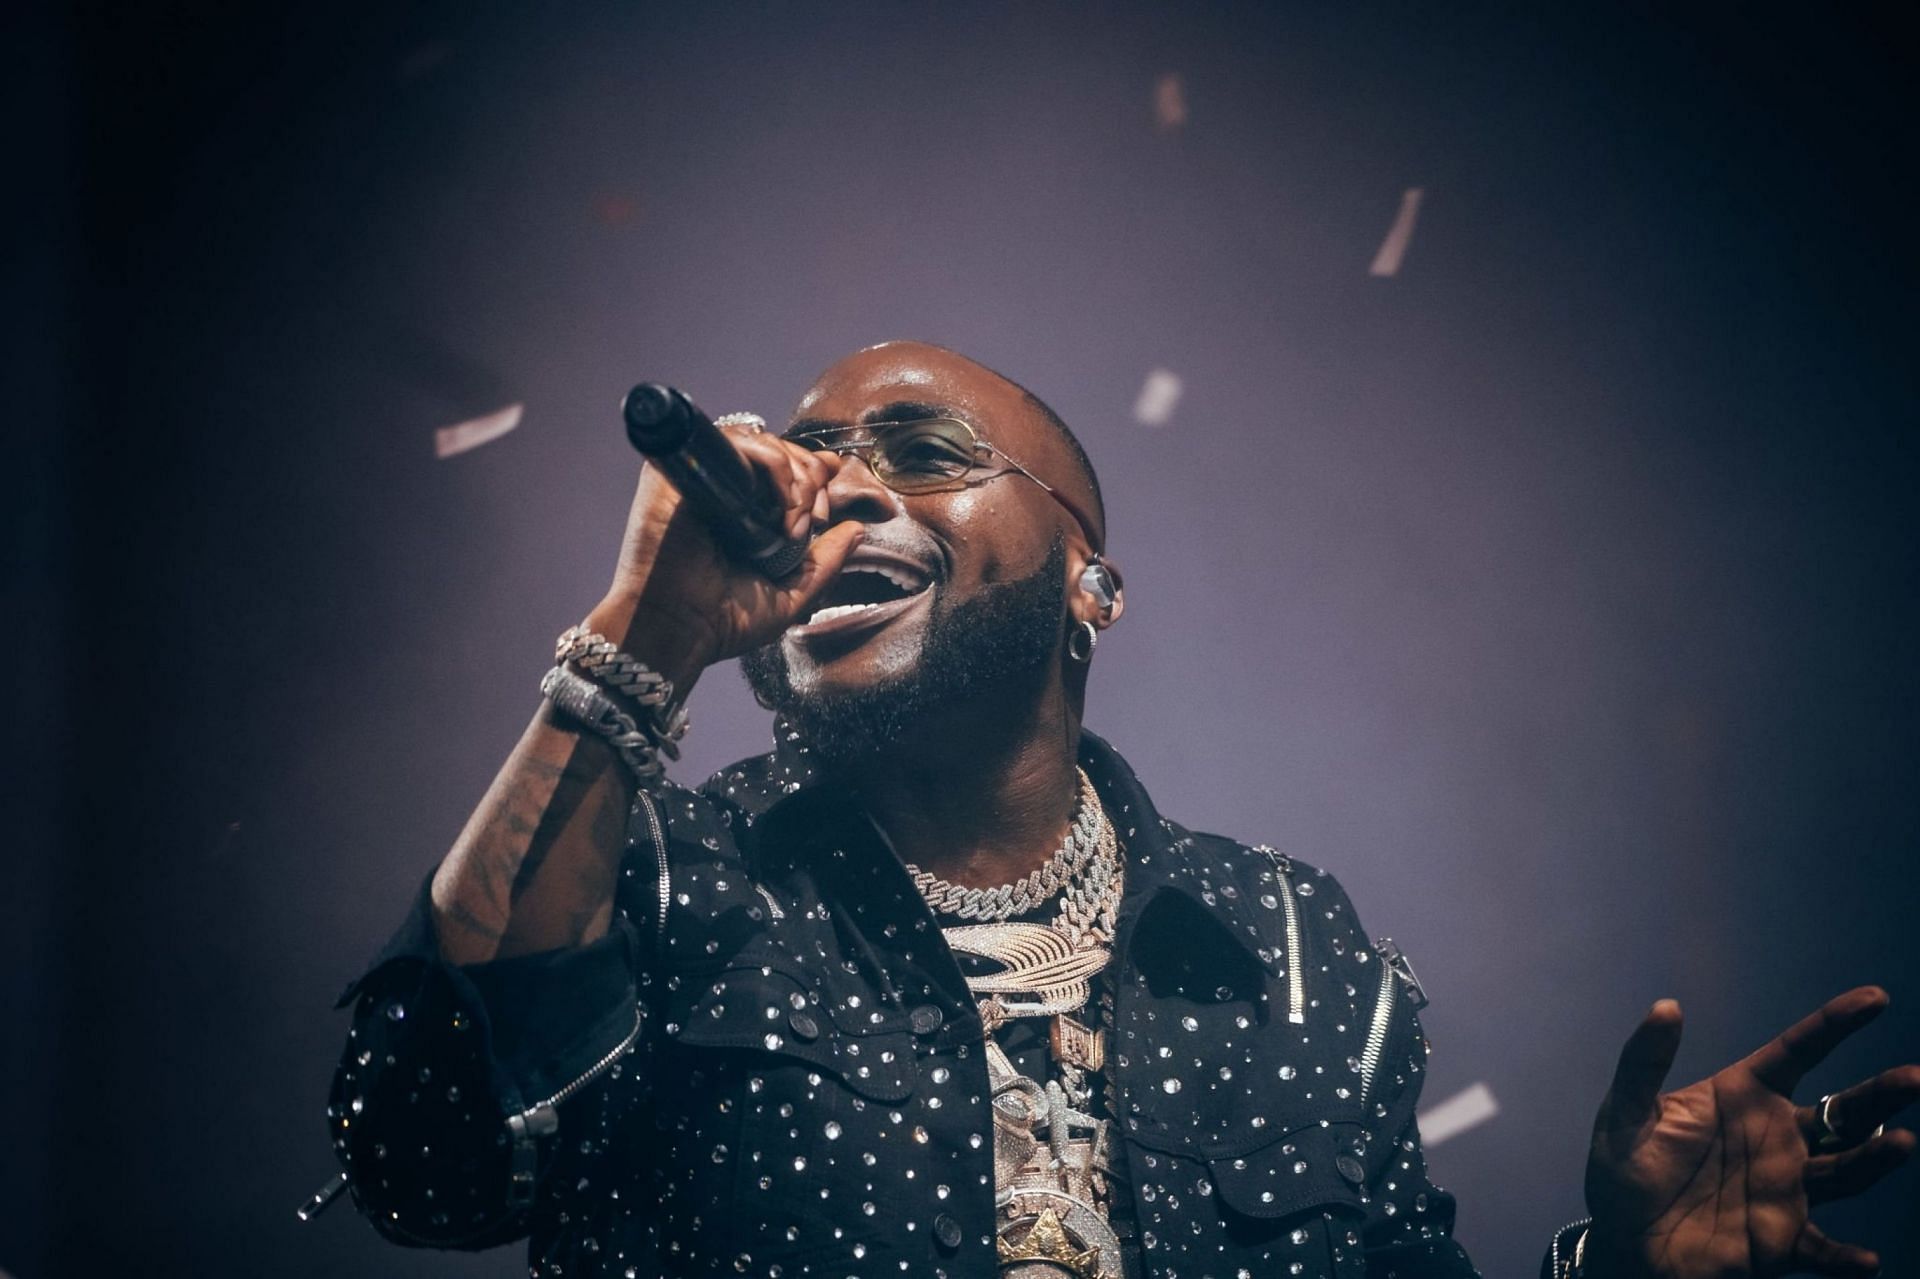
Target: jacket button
point(803, 1027)
point(1350, 1168)
point(925, 1020)
point(947, 1231)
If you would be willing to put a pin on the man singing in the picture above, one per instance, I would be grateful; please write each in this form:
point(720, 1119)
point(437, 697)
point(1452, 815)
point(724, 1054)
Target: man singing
point(933, 989)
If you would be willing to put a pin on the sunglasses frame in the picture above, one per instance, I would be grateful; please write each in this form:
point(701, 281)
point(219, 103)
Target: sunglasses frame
point(820, 442)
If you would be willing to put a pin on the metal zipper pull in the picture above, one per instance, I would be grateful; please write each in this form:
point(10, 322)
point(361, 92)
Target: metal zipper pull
point(773, 907)
point(1394, 970)
point(1391, 954)
point(542, 1119)
point(526, 1129)
point(322, 1199)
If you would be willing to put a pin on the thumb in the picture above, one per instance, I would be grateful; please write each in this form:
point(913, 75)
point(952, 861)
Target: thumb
point(1644, 1063)
point(824, 559)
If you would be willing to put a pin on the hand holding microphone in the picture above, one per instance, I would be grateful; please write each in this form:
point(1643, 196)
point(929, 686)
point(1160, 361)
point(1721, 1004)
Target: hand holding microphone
point(718, 557)
point(713, 479)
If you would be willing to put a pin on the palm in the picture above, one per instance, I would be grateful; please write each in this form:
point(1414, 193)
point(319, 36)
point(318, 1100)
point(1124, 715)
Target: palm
point(1717, 1171)
point(1717, 1178)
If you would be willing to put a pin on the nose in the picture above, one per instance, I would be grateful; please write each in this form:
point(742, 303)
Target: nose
point(856, 493)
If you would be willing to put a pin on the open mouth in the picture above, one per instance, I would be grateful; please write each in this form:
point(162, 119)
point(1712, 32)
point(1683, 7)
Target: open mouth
point(867, 590)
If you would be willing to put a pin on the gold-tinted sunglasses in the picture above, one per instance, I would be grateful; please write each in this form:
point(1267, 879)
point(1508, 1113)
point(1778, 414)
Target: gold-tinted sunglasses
point(930, 455)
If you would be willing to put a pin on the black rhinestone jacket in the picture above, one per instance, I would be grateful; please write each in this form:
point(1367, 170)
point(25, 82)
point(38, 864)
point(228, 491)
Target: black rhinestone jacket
point(771, 1064)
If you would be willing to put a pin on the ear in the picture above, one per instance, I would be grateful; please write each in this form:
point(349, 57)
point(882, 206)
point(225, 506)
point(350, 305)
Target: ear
point(1097, 595)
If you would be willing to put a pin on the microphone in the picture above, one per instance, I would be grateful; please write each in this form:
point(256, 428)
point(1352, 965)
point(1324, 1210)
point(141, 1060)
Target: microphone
point(673, 434)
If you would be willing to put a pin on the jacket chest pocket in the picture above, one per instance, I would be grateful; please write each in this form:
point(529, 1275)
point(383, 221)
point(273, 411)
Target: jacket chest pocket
point(1294, 1205)
point(1245, 1137)
point(804, 1089)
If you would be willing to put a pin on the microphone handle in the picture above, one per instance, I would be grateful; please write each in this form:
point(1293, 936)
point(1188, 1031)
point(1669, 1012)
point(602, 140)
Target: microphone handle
point(673, 434)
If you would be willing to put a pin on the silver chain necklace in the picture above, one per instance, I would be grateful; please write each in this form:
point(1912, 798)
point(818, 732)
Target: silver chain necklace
point(1028, 893)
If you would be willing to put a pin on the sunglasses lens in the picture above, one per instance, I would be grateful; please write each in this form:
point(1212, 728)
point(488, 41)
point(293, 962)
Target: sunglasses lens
point(917, 456)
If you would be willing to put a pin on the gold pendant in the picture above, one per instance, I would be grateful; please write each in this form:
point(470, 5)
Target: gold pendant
point(1079, 1045)
point(1048, 1242)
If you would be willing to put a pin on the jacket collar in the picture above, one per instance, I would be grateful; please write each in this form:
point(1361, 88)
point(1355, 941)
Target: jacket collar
point(1162, 856)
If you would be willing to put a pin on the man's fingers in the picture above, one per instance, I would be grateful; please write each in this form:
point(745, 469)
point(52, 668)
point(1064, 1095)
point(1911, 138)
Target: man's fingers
point(1859, 1110)
point(1783, 1061)
point(809, 489)
point(1823, 1256)
point(1855, 1112)
point(796, 476)
point(1830, 1177)
point(781, 479)
point(824, 558)
point(1644, 1063)
point(817, 466)
point(813, 471)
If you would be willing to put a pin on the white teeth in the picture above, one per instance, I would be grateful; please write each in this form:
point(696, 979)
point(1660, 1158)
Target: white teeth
point(898, 578)
point(838, 610)
point(907, 582)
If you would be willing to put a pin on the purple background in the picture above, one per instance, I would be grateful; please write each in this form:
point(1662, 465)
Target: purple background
point(1558, 594)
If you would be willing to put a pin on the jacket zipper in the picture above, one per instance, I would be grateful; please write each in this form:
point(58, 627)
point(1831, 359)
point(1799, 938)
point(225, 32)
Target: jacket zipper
point(1394, 968)
point(542, 1119)
point(1296, 959)
point(1572, 1263)
point(665, 878)
point(1376, 1046)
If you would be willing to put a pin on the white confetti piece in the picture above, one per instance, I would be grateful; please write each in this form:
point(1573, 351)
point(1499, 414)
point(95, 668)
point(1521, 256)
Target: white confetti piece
point(1158, 396)
point(1466, 1109)
point(1169, 102)
point(462, 436)
point(1394, 248)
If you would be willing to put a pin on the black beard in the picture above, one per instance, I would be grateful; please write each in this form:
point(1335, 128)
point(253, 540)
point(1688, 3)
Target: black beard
point(1009, 631)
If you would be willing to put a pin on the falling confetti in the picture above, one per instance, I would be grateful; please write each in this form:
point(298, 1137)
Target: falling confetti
point(1394, 248)
point(1466, 1109)
point(1158, 396)
point(462, 436)
point(1169, 102)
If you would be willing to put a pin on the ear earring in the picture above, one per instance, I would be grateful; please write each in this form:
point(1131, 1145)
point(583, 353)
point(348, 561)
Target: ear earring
point(1080, 642)
point(1097, 580)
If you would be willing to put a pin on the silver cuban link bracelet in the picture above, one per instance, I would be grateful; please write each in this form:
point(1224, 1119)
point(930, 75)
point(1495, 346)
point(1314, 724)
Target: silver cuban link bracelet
point(601, 660)
point(581, 702)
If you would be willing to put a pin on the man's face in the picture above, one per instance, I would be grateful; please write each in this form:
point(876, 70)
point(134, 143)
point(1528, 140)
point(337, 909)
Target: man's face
point(962, 589)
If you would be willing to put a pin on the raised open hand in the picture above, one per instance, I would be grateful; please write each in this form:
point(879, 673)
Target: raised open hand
point(1717, 1178)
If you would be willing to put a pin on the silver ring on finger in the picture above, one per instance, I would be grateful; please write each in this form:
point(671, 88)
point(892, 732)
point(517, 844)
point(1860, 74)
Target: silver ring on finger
point(1828, 1137)
point(753, 422)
